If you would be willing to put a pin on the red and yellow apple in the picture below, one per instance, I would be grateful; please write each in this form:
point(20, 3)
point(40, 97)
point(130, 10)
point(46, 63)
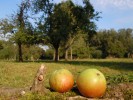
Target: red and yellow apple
point(91, 83)
point(61, 80)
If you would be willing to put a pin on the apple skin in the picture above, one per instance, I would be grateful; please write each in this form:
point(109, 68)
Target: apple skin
point(61, 80)
point(91, 83)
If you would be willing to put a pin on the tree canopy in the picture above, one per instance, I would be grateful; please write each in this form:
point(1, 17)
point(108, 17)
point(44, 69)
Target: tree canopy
point(114, 43)
point(64, 21)
point(19, 27)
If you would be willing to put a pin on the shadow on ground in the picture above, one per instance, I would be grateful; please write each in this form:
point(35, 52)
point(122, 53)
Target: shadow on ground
point(126, 66)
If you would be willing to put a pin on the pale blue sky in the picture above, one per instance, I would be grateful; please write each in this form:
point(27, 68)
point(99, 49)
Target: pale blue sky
point(115, 13)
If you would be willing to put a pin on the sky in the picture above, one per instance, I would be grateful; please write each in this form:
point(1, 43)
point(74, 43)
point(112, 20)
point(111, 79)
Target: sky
point(114, 14)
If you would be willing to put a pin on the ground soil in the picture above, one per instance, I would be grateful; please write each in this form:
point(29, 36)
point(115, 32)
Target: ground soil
point(122, 91)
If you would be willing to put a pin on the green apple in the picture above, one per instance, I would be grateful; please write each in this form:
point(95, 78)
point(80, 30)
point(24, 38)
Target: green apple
point(91, 83)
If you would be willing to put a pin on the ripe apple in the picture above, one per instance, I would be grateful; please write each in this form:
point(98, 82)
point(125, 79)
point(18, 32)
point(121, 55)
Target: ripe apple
point(61, 80)
point(91, 83)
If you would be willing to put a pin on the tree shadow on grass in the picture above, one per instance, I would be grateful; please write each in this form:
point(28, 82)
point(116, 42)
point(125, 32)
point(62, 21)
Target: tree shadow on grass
point(117, 65)
point(126, 66)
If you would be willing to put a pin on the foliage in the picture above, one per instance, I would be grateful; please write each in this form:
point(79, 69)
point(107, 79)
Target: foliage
point(113, 43)
point(19, 27)
point(5, 26)
point(63, 22)
point(32, 52)
point(1, 45)
point(48, 54)
point(80, 47)
point(68, 28)
point(8, 51)
point(96, 53)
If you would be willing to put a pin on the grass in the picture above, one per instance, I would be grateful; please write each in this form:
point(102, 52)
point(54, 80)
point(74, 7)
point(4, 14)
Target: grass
point(16, 75)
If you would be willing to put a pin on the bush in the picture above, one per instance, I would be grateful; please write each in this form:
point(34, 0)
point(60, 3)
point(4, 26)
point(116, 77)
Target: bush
point(96, 54)
point(48, 54)
point(7, 51)
point(32, 52)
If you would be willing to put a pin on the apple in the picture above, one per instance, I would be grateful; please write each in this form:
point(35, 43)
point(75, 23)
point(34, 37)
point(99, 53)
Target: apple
point(61, 80)
point(91, 83)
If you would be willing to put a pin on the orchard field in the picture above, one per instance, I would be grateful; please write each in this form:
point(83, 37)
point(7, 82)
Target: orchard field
point(15, 75)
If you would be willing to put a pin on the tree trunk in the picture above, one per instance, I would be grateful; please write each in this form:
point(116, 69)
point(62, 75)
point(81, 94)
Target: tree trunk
point(71, 53)
point(58, 57)
point(37, 86)
point(20, 59)
point(38, 83)
point(68, 46)
point(66, 54)
point(56, 54)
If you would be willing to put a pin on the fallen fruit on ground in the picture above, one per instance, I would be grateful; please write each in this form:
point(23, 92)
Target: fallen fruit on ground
point(61, 80)
point(91, 83)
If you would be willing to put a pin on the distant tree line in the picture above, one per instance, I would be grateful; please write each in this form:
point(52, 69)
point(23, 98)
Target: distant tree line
point(104, 44)
point(68, 29)
point(112, 43)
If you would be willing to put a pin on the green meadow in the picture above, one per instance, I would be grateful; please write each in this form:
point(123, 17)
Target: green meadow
point(21, 75)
